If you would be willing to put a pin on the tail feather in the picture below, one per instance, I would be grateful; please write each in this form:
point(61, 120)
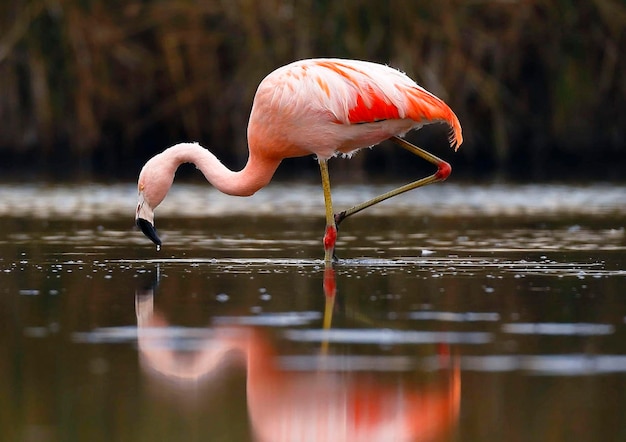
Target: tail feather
point(427, 108)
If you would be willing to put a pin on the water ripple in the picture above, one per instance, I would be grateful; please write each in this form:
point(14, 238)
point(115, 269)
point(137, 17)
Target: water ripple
point(201, 200)
point(547, 364)
point(387, 336)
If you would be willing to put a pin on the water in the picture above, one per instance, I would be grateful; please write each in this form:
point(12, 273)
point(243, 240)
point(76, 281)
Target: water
point(454, 313)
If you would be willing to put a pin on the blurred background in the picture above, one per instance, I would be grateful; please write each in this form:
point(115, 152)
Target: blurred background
point(90, 89)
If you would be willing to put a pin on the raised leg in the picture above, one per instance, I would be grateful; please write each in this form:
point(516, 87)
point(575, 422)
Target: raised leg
point(330, 235)
point(443, 171)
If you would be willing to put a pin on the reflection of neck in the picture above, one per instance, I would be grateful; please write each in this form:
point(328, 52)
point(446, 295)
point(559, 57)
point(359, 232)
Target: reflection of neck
point(155, 354)
point(261, 360)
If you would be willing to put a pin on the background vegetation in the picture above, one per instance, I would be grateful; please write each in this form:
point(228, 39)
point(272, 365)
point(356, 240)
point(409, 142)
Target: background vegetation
point(95, 87)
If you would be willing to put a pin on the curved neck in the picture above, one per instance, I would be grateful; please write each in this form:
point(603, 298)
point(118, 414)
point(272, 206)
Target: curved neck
point(256, 174)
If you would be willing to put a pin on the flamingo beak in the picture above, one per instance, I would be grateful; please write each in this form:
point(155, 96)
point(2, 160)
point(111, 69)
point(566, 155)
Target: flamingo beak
point(148, 229)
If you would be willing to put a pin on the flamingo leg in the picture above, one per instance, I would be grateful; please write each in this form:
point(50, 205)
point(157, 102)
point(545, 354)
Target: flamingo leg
point(330, 235)
point(443, 171)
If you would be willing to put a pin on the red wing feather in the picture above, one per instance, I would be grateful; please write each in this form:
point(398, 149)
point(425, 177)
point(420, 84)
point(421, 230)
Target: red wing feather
point(377, 110)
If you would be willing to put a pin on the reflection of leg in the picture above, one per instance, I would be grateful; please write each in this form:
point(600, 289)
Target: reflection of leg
point(330, 235)
point(330, 285)
point(443, 171)
point(330, 290)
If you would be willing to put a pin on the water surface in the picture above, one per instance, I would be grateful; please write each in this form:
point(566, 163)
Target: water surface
point(454, 313)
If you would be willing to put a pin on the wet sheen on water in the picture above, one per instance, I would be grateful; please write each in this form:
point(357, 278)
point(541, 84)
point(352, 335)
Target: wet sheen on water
point(453, 313)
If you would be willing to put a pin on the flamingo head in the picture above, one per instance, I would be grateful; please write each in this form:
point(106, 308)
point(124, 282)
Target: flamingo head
point(152, 187)
point(145, 219)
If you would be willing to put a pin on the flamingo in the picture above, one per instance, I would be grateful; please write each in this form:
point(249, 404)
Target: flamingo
point(322, 107)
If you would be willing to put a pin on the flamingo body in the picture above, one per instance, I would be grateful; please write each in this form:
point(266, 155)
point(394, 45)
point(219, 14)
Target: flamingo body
point(323, 107)
point(330, 106)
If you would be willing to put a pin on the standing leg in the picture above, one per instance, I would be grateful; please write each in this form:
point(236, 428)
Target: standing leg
point(330, 235)
point(443, 171)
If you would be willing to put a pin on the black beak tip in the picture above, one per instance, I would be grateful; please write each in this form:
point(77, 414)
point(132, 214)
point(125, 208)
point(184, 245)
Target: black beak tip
point(148, 229)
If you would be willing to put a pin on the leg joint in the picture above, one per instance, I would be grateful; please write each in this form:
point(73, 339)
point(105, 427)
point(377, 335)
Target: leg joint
point(443, 171)
point(339, 217)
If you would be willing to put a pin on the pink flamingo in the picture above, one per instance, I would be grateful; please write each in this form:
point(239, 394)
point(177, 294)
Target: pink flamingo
point(323, 107)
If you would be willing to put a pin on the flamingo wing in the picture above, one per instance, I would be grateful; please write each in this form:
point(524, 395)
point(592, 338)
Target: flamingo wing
point(358, 92)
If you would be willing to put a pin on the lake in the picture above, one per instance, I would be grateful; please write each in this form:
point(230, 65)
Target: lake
point(457, 312)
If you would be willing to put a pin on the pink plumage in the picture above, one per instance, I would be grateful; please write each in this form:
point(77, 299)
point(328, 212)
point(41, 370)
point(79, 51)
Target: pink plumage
point(329, 106)
point(322, 107)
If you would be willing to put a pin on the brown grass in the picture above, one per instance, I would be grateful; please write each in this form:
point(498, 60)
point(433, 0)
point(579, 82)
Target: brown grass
point(525, 76)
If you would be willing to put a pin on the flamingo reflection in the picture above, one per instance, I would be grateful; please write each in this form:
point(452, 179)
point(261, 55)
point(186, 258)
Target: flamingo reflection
point(310, 403)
